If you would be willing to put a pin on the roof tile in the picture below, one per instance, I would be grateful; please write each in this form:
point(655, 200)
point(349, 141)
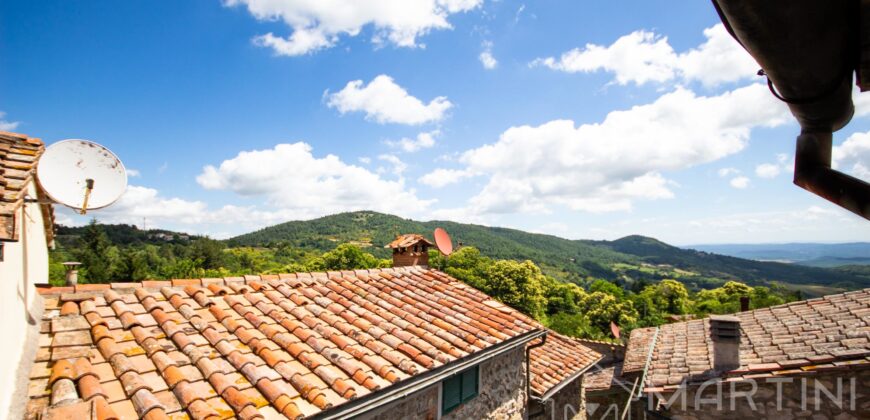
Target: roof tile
point(291, 344)
point(774, 341)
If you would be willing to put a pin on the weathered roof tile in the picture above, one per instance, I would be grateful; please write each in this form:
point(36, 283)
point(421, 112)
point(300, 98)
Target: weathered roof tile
point(291, 344)
point(774, 341)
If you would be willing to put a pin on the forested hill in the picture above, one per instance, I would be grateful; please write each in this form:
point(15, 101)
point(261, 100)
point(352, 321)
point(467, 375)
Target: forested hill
point(632, 257)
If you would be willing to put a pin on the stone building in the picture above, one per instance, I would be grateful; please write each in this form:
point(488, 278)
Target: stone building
point(558, 367)
point(806, 359)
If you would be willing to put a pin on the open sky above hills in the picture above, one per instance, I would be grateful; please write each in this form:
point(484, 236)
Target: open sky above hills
point(583, 120)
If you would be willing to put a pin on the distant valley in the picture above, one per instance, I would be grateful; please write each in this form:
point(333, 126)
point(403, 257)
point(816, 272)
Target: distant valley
point(809, 254)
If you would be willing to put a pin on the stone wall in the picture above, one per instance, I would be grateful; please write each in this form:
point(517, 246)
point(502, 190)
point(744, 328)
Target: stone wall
point(801, 398)
point(422, 405)
point(502, 395)
point(605, 404)
point(567, 404)
point(502, 390)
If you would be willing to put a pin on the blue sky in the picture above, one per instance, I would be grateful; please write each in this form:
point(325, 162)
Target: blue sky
point(585, 120)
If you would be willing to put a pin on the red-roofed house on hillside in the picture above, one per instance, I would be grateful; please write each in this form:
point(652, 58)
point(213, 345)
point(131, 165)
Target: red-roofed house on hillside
point(26, 231)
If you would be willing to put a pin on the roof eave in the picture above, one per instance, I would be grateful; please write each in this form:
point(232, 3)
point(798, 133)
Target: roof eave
point(547, 395)
point(419, 382)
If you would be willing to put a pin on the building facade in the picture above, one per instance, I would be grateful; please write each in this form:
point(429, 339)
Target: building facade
point(26, 232)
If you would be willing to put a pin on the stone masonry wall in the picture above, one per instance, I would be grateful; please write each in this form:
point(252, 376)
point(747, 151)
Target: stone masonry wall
point(567, 404)
point(610, 404)
point(421, 405)
point(502, 390)
point(502, 395)
point(802, 398)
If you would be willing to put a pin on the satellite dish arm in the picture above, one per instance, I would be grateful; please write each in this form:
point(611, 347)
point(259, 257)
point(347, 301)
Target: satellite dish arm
point(89, 187)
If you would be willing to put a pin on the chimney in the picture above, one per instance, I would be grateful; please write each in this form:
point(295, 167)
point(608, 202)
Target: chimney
point(409, 250)
point(725, 334)
point(744, 303)
point(72, 272)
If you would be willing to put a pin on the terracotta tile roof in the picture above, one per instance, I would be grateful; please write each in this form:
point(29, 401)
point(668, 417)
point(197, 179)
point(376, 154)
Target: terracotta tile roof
point(822, 333)
point(297, 344)
point(605, 378)
point(18, 157)
point(558, 362)
point(404, 241)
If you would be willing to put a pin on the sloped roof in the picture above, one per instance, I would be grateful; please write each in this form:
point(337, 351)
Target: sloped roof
point(299, 344)
point(558, 362)
point(830, 332)
point(18, 157)
point(407, 240)
point(608, 377)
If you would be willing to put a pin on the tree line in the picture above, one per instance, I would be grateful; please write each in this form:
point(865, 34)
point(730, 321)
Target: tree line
point(583, 308)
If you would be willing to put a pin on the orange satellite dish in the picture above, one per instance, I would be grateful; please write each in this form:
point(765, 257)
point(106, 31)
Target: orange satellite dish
point(614, 329)
point(443, 242)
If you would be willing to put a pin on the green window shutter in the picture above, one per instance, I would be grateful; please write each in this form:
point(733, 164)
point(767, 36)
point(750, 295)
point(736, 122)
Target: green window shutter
point(469, 384)
point(458, 389)
point(451, 393)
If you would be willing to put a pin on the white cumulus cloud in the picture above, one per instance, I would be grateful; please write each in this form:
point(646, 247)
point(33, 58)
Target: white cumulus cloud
point(399, 167)
point(739, 182)
point(642, 57)
point(422, 141)
point(486, 58)
point(7, 125)
point(293, 180)
point(853, 156)
point(767, 170)
point(384, 101)
point(442, 177)
point(772, 170)
point(727, 172)
point(320, 24)
point(606, 166)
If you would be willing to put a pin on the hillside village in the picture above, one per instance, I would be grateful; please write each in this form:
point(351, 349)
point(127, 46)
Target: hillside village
point(407, 340)
point(379, 210)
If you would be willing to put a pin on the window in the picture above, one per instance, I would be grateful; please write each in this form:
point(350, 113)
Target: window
point(458, 389)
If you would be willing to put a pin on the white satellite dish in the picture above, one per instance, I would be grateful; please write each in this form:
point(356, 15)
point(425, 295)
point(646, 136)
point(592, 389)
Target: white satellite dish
point(81, 174)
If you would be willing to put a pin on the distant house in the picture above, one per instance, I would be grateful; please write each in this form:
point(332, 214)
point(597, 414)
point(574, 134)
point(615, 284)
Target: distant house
point(26, 232)
point(409, 250)
point(806, 359)
point(402, 343)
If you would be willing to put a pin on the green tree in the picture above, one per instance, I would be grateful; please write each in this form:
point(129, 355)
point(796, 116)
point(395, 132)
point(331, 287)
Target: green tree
point(602, 308)
point(94, 254)
point(575, 325)
point(605, 286)
point(518, 284)
point(667, 297)
point(346, 257)
point(468, 265)
point(208, 251)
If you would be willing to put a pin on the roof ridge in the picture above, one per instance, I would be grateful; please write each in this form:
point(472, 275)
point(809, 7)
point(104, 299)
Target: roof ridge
point(45, 288)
